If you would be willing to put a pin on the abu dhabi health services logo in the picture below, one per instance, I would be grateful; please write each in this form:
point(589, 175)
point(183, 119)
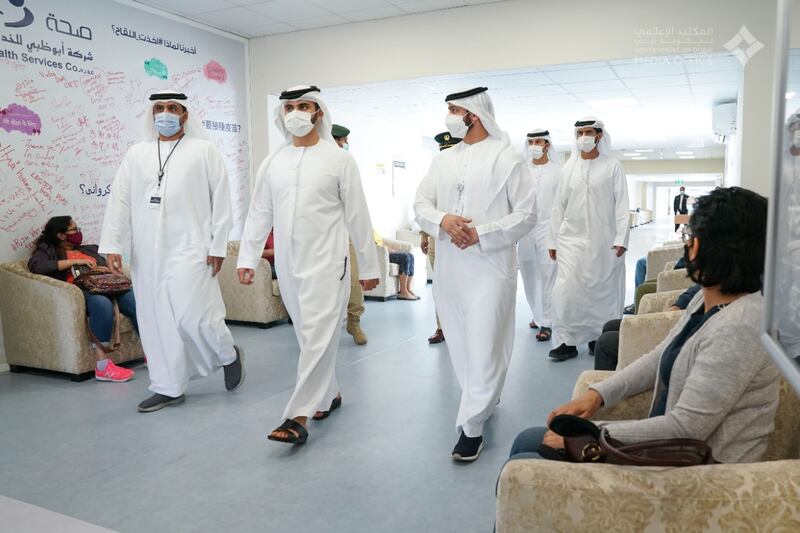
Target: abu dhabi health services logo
point(743, 45)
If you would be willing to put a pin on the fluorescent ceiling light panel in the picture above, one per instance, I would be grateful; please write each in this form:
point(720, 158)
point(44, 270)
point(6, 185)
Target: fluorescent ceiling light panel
point(612, 103)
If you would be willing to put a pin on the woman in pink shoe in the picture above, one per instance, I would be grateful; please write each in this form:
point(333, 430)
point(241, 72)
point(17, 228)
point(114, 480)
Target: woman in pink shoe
point(58, 250)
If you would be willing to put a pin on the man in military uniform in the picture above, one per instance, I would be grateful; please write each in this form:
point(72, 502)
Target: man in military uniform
point(428, 243)
point(355, 305)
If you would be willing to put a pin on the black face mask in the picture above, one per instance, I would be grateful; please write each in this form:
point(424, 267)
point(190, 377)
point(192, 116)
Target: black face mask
point(691, 266)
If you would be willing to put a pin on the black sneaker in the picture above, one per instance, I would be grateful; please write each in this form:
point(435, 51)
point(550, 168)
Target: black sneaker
point(159, 401)
point(629, 309)
point(591, 347)
point(467, 448)
point(234, 372)
point(563, 352)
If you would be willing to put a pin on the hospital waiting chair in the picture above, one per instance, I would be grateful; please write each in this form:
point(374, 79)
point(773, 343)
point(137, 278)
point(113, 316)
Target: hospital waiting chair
point(388, 282)
point(44, 325)
point(541, 496)
point(259, 303)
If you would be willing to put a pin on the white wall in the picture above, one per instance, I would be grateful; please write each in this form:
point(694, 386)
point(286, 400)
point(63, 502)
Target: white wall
point(502, 35)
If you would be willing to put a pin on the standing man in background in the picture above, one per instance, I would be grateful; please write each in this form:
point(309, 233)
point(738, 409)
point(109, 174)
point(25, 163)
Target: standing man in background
point(170, 210)
point(589, 235)
point(537, 269)
point(679, 206)
point(428, 243)
point(355, 305)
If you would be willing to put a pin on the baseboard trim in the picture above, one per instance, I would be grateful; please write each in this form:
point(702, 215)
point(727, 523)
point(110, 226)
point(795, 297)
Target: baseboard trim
point(4, 368)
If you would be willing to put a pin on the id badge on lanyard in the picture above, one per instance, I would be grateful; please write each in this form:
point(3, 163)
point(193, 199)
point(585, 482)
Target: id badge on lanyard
point(155, 199)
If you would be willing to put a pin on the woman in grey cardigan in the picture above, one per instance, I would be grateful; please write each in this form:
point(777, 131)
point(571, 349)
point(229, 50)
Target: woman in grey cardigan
point(710, 377)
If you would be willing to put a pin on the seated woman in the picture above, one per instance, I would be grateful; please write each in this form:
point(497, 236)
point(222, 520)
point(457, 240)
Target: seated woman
point(58, 249)
point(405, 265)
point(710, 377)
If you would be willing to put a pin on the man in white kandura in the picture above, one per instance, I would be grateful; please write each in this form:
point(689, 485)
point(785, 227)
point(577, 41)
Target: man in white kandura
point(170, 210)
point(537, 269)
point(589, 235)
point(477, 200)
point(310, 192)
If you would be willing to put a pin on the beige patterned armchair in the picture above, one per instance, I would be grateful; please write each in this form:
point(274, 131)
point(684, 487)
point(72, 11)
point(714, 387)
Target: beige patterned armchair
point(671, 280)
point(658, 257)
point(539, 495)
point(44, 325)
point(655, 302)
point(260, 302)
point(388, 285)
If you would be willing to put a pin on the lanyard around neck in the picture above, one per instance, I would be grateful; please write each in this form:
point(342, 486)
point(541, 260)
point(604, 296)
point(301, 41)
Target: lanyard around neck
point(162, 167)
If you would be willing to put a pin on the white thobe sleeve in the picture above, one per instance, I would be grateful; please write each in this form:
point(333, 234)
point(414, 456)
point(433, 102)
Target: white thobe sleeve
point(557, 213)
point(426, 213)
point(115, 237)
point(621, 207)
point(521, 195)
point(258, 223)
point(221, 216)
point(356, 218)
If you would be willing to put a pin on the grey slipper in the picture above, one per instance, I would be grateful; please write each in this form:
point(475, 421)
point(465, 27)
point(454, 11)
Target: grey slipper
point(234, 372)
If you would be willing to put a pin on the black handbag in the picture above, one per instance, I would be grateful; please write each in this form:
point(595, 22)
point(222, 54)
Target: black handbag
point(585, 442)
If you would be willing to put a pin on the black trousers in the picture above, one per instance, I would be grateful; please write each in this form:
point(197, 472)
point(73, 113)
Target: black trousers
point(606, 351)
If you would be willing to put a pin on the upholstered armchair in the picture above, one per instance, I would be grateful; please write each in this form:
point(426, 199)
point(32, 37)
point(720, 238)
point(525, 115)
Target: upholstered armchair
point(658, 257)
point(44, 325)
point(388, 286)
point(671, 280)
point(656, 302)
point(539, 495)
point(260, 302)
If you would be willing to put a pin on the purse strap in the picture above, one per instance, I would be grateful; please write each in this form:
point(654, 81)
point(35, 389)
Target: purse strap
point(627, 453)
point(116, 336)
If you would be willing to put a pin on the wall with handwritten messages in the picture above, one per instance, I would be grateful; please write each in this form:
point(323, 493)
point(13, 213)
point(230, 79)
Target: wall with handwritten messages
point(73, 98)
point(74, 83)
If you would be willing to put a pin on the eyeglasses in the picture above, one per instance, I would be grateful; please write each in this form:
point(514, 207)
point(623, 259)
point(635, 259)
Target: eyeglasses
point(76, 229)
point(686, 234)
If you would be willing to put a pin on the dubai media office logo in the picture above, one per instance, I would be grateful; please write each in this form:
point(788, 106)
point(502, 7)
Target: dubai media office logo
point(743, 45)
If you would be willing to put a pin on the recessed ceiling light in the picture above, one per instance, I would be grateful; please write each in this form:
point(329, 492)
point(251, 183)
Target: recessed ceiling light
point(611, 103)
point(685, 157)
point(689, 152)
point(645, 151)
point(790, 95)
point(631, 153)
point(639, 158)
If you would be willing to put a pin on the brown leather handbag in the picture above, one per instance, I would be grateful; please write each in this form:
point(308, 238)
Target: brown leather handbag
point(106, 283)
point(585, 442)
point(102, 282)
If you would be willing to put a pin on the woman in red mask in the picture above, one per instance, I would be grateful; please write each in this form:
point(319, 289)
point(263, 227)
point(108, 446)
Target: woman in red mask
point(59, 250)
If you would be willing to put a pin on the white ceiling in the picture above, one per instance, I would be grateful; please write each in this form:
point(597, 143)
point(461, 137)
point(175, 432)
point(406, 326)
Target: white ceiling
point(664, 108)
point(257, 18)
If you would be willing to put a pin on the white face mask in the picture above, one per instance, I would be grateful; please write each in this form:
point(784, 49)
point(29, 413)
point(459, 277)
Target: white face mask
point(796, 138)
point(537, 151)
point(586, 143)
point(298, 122)
point(455, 125)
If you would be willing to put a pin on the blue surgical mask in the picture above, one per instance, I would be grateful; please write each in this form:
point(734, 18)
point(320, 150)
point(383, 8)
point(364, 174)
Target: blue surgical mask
point(167, 124)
